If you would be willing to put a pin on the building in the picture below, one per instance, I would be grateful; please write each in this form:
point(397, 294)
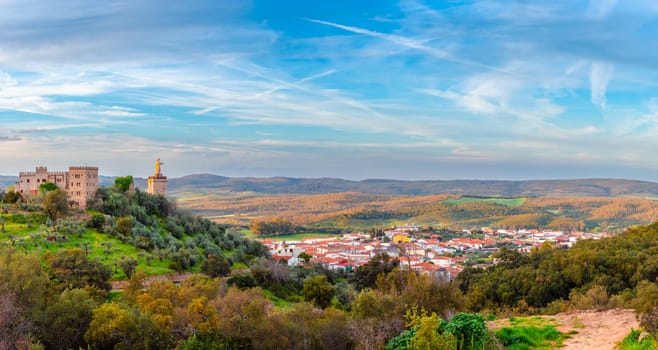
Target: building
point(79, 182)
point(157, 183)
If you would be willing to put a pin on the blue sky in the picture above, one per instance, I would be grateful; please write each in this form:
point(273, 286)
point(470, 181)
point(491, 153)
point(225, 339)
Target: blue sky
point(351, 89)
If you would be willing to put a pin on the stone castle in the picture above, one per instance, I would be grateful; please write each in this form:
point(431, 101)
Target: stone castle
point(79, 182)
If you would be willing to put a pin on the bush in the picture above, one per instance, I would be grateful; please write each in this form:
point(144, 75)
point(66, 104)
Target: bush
point(243, 280)
point(97, 221)
point(216, 266)
point(469, 329)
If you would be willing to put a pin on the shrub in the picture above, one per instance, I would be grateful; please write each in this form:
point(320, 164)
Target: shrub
point(468, 329)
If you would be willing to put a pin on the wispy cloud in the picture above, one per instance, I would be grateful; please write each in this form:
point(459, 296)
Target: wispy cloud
point(599, 75)
point(598, 9)
point(411, 43)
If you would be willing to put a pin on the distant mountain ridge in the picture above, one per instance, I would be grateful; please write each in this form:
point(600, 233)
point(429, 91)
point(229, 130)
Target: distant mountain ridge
point(285, 185)
point(288, 185)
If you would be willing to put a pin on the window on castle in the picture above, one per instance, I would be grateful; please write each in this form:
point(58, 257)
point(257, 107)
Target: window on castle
point(28, 180)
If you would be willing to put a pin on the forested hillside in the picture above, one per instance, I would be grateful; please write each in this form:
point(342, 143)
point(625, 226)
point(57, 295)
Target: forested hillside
point(359, 211)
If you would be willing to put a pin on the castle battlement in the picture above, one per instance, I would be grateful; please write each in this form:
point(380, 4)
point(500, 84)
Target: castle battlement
point(33, 173)
point(83, 167)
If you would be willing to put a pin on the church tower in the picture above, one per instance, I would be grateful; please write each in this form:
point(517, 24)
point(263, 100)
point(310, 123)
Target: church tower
point(157, 183)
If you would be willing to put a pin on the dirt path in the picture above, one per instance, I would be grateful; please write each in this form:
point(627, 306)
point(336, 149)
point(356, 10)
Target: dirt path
point(176, 278)
point(597, 330)
point(600, 330)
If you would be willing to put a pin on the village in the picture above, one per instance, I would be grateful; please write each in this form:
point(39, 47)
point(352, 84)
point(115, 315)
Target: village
point(426, 253)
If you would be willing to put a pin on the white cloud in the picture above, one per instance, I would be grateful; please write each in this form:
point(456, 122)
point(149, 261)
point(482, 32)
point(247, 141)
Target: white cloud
point(599, 75)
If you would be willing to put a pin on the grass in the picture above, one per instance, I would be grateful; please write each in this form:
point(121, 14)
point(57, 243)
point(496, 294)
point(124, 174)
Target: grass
point(301, 236)
point(633, 342)
point(292, 237)
point(278, 302)
point(510, 202)
point(531, 333)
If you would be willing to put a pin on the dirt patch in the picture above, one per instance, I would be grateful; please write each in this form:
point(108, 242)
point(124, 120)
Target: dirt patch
point(176, 278)
point(600, 330)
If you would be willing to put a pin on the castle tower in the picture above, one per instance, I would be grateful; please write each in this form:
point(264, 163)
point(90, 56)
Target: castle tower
point(157, 183)
point(82, 184)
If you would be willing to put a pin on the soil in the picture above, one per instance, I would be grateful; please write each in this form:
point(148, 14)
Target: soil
point(601, 330)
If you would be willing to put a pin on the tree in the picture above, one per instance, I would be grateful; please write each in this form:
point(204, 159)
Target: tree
point(12, 197)
point(67, 319)
point(318, 291)
point(216, 266)
point(73, 269)
point(46, 187)
point(115, 326)
point(123, 183)
point(14, 328)
point(128, 265)
point(366, 276)
point(97, 221)
point(56, 204)
point(110, 326)
point(124, 225)
point(71, 227)
point(377, 316)
point(202, 318)
point(24, 276)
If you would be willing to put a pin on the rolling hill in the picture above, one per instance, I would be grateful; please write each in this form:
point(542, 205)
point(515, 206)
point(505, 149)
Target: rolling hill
point(208, 183)
point(528, 188)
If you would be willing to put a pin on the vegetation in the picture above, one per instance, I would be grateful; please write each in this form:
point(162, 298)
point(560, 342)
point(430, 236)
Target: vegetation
point(123, 183)
point(338, 212)
point(592, 274)
point(530, 333)
point(272, 227)
point(57, 268)
point(633, 341)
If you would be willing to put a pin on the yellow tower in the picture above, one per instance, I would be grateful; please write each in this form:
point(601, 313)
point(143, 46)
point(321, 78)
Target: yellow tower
point(157, 183)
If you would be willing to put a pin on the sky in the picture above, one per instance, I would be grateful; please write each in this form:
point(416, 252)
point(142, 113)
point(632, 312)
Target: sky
point(350, 89)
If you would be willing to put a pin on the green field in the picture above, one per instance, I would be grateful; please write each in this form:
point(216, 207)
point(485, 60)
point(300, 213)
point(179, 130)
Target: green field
point(510, 202)
point(292, 237)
